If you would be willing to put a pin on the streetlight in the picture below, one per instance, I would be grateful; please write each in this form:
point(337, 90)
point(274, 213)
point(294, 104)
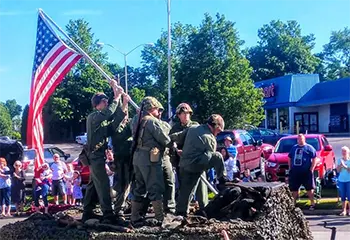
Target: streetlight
point(125, 55)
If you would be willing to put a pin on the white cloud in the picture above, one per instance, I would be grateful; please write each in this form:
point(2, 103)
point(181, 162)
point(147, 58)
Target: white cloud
point(15, 13)
point(79, 12)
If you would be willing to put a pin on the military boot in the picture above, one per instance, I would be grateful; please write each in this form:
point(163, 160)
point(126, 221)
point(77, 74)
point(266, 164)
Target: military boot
point(135, 217)
point(158, 211)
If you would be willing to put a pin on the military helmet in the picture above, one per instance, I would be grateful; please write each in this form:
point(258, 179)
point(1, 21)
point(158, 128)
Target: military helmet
point(97, 98)
point(183, 107)
point(216, 121)
point(150, 103)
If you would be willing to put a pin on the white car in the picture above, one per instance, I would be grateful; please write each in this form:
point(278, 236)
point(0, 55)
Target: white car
point(29, 156)
point(81, 139)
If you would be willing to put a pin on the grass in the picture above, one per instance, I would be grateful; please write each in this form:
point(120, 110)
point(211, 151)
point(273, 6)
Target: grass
point(326, 193)
point(324, 204)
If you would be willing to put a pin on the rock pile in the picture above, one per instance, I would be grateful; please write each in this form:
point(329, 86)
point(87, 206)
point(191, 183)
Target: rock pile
point(242, 211)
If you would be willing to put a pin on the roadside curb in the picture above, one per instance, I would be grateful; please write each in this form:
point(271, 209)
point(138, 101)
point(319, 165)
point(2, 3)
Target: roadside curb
point(334, 212)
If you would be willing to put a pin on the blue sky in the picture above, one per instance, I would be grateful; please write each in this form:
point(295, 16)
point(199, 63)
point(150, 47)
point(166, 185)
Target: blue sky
point(127, 23)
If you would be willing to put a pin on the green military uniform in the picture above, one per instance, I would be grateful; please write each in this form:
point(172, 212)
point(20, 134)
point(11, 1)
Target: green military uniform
point(98, 187)
point(198, 155)
point(176, 128)
point(200, 189)
point(121, 141)
point(169, 178)
point(153, 136)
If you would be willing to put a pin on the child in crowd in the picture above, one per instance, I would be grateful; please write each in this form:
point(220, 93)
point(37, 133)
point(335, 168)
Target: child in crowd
point(247, 177)
point(18, 187)
point(260, 179)
point(5, 188)
point(68, 177)
point(77, 193)
point(45, 177)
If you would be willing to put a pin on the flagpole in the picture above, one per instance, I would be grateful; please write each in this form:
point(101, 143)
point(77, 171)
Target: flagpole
point(45, 16)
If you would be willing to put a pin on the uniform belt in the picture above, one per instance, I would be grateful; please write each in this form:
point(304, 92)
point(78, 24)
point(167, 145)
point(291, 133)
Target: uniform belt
point(166, 151)
point(144, 148)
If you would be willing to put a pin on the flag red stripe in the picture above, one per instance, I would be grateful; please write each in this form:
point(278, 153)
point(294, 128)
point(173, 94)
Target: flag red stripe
point(34, 83)
point(40, 104)
point(48, 78)
point(47, 64)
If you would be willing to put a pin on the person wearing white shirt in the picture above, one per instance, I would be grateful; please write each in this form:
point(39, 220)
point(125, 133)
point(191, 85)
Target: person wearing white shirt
point(231, 164)
point(58, 168)
point(343, 168)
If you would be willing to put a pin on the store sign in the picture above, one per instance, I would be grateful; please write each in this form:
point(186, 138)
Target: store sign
point(269, 91)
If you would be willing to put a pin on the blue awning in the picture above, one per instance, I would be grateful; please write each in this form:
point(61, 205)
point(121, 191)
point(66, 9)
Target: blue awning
point(329, 92)
point(322, 102)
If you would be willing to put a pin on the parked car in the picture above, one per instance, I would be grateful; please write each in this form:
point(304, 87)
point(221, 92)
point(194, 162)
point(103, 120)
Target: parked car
point(277, 163)
point(251, 153)
point(11, 150)
point(30, 154)
point(84, 171)
point(267, 135)
point(81, 139)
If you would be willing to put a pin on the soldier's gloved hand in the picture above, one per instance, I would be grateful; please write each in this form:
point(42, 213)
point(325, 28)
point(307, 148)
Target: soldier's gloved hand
point(113, 84)
point(126, 98)
point(119, 89)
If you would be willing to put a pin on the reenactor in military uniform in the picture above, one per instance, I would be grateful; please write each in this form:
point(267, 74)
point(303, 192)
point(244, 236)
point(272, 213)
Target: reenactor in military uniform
point(198, 154)
point(184, 113)
point(183, 121)
point(151, 141)
point(97, 125)
point(122, 141)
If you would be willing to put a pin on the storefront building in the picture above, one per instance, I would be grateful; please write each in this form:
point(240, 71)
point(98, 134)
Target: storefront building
point(303, 101)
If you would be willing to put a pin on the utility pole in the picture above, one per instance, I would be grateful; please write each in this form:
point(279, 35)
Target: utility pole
point(169, 61)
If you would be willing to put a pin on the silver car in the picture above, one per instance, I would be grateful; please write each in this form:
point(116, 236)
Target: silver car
point(29, 156)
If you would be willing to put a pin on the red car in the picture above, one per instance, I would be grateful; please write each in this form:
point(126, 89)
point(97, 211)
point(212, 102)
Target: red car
point(251, 153)
point(277, 163)
point(84, 171)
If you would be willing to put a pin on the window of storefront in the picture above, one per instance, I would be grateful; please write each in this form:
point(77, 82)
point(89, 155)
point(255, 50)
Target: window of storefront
point(284, 119)
point(308, 122)
point(339, 118)
point(271, 119)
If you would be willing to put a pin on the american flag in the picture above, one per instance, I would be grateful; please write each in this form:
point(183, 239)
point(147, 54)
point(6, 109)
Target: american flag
point(53, 60)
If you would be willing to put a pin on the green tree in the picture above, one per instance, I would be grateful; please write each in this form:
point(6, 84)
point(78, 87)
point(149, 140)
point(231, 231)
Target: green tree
point(24, 124)
point(155, 62)
point(13, 108)
point(5, 121)
point(214, 76)
point(282, 49)
point(336, 56)
point(70, 104)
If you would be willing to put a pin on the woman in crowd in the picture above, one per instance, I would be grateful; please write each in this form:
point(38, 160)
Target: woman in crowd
point(18, 187)
point(343, 169)
point(42, 189)
point(5, 188)
point(231, 164)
